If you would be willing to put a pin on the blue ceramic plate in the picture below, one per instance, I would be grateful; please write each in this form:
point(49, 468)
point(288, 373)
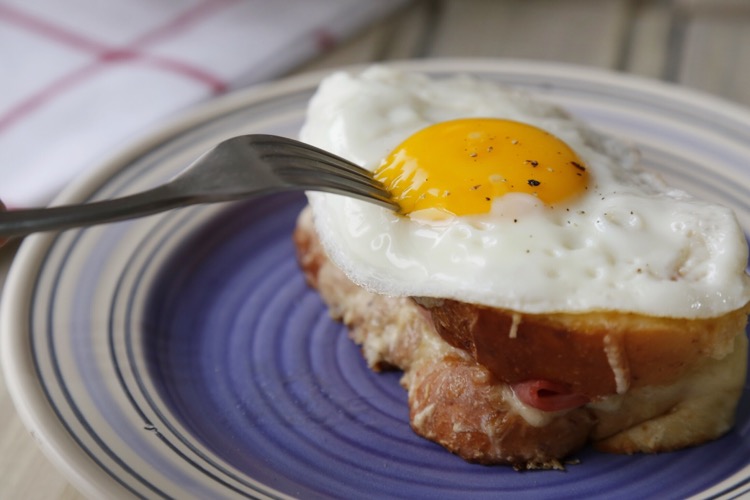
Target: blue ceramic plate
point(181, 355)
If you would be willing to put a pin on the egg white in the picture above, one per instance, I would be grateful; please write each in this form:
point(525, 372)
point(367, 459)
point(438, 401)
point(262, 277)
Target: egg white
point(628, 244)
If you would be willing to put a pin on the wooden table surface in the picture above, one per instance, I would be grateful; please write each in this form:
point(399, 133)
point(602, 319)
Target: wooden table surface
point(701, 44)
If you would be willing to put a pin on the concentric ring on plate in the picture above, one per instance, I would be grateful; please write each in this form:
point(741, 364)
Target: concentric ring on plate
point(265, 395)
point(309, 386)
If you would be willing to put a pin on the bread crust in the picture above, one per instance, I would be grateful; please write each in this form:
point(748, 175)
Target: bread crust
point(452, 398)
point(596, 354)
point(456, 404)
point(456, 400)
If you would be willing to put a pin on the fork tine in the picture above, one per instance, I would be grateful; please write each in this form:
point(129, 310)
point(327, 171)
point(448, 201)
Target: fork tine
point(314, 176)
point(312, 168)
point(313, 181)
point(340, 165)
point(291, 163)
point(274, 146)
point(383, 202)
point(306, 158)
point(294, 173)
point(312, 171)
point(283, 145)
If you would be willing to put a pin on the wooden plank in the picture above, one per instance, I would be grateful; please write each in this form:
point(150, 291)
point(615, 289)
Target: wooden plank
point(716, 55)
point(409, 30)
point(576, 31)
point(646, 51)
point(715, 7)
point(364, 47)
point(24, 470)
point(398, 36)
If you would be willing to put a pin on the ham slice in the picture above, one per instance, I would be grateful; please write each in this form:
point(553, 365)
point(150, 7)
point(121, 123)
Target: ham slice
point(546, 395)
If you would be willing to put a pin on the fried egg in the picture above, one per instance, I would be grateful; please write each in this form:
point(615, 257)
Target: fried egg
point(506, 201)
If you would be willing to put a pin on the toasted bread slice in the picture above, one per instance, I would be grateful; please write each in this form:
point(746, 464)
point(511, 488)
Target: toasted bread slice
point(596, 354)
point(462, 397)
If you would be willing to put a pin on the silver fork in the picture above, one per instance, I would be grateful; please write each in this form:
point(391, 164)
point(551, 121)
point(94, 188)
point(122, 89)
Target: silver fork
point(241, 167)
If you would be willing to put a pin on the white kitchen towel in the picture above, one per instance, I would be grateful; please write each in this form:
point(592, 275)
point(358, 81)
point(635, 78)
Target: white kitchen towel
point(80, 78)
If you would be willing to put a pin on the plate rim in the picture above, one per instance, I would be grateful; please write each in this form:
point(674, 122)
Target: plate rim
point(20, 377)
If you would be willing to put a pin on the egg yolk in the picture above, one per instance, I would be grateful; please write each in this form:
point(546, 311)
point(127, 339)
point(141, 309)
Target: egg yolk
point(460, 166)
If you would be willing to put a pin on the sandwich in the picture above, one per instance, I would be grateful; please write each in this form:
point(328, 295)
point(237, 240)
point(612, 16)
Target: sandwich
point(538, 289)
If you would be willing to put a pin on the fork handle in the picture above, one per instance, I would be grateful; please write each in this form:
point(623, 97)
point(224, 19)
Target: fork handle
point(26, 221)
